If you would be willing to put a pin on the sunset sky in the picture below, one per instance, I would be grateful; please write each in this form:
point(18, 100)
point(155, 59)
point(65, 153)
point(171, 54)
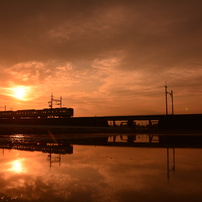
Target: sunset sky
point(104, 57)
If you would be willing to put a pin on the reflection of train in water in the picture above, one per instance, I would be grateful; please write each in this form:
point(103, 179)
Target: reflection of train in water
point(33, 113)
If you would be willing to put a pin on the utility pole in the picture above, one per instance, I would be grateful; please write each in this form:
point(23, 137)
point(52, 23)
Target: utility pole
point(171, 94)
point(51, 101)
point(4, 107)
point(57, 102)
point(166, 96)
point(60, 102)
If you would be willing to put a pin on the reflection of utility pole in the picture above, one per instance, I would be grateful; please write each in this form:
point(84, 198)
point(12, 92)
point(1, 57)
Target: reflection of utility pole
point(168, 163)
point(56, 159)
point(166, 96)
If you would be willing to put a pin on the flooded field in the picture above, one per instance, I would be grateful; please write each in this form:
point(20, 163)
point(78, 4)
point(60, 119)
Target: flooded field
point(104, 167)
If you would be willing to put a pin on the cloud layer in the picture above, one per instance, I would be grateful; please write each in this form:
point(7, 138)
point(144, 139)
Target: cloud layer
point(108, 54)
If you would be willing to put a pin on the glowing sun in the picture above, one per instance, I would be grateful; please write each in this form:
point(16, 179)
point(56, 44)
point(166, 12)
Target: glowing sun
point(20, 92)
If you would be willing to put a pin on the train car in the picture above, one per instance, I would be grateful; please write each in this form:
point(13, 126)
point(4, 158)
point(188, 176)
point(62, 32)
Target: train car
point(6, 114)
point(56, 112)
point(37, 114)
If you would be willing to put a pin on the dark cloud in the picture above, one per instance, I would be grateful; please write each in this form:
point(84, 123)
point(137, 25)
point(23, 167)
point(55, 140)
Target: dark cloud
point(149, 32)
point(100, 41)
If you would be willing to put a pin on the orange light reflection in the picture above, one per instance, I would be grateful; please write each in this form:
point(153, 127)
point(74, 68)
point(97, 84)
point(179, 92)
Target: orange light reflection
point(17, 167)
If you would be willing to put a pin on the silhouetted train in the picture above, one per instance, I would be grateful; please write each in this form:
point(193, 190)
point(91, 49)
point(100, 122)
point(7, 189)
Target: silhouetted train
point(34, 113)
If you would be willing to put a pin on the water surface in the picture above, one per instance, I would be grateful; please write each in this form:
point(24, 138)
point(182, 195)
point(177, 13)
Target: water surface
point(99, 173)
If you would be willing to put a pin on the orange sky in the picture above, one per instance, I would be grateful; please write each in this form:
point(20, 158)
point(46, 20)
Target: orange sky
point(103, 57)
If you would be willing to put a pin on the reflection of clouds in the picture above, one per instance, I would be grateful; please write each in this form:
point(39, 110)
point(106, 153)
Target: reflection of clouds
point(49, 188)
point(111, 171)
point(140, 172)
point(104, 174)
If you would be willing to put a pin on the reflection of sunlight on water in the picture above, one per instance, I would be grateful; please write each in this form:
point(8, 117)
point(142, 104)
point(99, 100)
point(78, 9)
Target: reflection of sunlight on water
point(17, 136)
point(17, 166)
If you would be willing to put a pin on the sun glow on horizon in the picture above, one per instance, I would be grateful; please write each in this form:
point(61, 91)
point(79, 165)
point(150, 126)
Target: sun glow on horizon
point(20, 92)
